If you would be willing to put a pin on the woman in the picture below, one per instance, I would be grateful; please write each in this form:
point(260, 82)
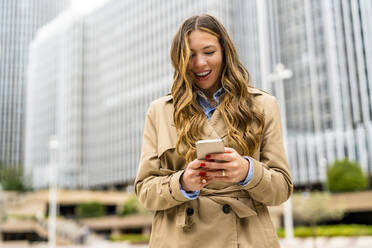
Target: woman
point(221, 201)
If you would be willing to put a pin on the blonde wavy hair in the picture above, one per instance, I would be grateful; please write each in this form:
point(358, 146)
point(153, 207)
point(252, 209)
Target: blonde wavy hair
point(243, 120)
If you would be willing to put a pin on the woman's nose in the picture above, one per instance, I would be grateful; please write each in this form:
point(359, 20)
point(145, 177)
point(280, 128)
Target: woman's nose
point(200, 61)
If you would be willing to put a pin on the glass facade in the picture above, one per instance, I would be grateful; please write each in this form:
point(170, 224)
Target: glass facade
point(54, 100)
point(19, 21)
point(105, 68)
point(327, 45)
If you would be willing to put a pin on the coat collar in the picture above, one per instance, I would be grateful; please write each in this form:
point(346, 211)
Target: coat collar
point(254, 91)
point(251, 90)
point(215, 127)
point(168, 97)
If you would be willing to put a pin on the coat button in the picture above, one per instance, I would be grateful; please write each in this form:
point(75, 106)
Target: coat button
point(189, 211)
point(226, 208)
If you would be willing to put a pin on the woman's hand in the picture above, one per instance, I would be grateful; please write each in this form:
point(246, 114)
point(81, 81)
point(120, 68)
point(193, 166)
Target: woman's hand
point(192, 178)
point(234, 167)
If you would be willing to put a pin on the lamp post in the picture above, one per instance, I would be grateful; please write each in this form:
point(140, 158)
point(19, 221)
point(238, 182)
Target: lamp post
point(2, 206)
point(53, 167)
point(280, 73)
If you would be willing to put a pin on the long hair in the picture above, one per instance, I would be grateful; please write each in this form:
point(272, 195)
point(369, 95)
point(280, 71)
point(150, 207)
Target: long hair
point(243, 120)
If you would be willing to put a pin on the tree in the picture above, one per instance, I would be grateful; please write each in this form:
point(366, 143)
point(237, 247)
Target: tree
point(90, 210)
point(345, 175)
point(11, 178)
point(313, 208)
point(132, 206)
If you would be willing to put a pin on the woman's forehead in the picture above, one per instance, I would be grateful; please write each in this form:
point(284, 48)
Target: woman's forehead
point(199, 39)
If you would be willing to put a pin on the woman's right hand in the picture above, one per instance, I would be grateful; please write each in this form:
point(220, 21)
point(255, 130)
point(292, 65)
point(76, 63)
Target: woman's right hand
point(191, 179)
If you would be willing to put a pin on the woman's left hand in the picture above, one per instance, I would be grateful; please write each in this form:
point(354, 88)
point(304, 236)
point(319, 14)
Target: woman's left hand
point(229, 166)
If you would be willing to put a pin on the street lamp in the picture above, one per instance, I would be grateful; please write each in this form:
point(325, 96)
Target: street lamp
point(53, 167)
point(280, 73)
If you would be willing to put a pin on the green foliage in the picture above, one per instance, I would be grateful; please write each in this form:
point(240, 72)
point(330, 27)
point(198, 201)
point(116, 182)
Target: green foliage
point(90, 210)
point(131, 206)
point(132, 238)
point(330, 231)
point(21, 217)
point(345, 176)
point(11, 178)
point(315, 207)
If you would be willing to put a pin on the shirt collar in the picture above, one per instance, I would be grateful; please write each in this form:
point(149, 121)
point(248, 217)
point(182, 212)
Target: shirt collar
point(216, 95)
point(205, 105)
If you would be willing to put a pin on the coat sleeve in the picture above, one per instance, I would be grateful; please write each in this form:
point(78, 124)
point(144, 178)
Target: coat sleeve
point(156, 188)
point(271, 183)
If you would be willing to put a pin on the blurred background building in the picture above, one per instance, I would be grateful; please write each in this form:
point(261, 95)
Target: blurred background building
point(104, 68)
point(54, 100)
point(327, 44)
point(121, 63)
point(19, 21)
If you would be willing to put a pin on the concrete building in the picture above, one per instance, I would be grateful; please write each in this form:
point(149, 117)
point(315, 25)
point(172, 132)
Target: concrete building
point(19, 21)
point(54, 100)
point(327, 45)
point(107, 66)
point(115, 61)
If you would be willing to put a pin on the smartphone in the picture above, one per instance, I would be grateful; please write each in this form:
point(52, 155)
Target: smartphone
point(204, 147)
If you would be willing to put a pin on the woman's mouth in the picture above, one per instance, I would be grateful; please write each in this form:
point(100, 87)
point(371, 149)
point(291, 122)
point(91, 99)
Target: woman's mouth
point(203, 75)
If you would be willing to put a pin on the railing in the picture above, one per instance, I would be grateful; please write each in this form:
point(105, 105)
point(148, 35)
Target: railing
point(67, 232)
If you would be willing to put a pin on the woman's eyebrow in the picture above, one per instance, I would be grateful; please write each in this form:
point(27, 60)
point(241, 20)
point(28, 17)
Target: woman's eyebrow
point(210, 46)
point(206, 47)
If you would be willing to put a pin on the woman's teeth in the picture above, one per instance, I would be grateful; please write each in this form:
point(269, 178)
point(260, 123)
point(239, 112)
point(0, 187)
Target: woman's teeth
point(203, 74)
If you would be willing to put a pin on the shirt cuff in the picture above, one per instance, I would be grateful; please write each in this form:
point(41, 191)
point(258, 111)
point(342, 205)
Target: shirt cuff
point(190, 194)
point(250, 173)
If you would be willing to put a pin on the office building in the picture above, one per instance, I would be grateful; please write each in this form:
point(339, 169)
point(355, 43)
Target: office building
point(19, 21)
point(327, 45)
point(54, 101)
point(111, 63)
point(115, 61)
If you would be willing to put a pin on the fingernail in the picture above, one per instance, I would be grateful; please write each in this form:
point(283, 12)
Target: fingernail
point(208, 156)
point(202, 164)
point(202, 173)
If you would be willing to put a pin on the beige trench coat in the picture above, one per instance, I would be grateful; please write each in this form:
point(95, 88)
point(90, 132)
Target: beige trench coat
point(225, 214)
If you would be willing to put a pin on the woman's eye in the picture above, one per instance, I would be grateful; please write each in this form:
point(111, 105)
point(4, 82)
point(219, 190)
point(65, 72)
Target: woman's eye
point(210, 53)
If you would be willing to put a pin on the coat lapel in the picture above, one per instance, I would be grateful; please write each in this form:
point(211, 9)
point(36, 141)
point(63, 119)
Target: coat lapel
point(215, 127)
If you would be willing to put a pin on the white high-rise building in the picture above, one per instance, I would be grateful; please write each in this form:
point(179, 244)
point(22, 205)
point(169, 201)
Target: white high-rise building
point(19, 21)
point(108, 65)
point(327, 45)
point(106, 68)
point(54, 100)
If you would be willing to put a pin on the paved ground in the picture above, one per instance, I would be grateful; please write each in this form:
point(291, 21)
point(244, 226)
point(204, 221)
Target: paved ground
point(102, 244)
point(343, 242)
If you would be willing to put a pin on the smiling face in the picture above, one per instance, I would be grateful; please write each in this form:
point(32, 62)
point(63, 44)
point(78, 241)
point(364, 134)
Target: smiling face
point(205, 61)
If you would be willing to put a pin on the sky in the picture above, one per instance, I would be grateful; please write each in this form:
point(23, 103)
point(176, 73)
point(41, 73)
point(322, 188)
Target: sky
point(86, 6)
